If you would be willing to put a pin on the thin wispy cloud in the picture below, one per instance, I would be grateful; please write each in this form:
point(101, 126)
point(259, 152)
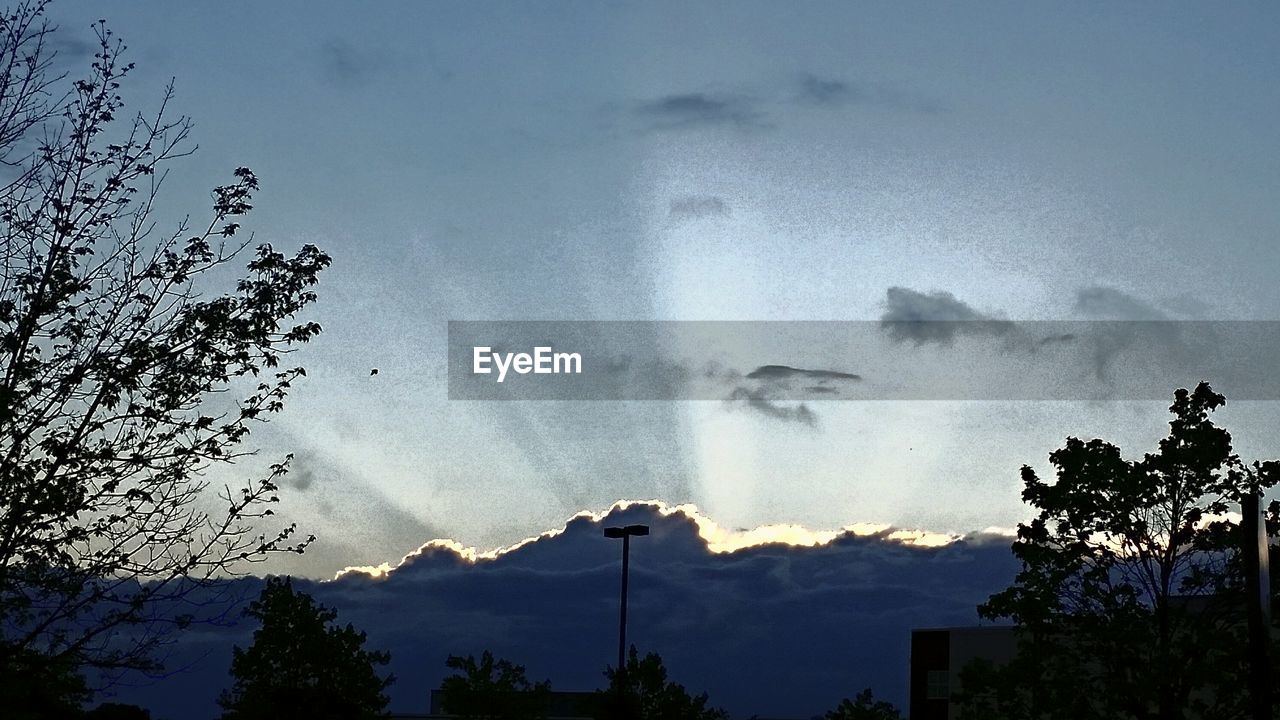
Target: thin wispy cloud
point(1109, 342)
point(1188, 306)
point(831, 92)
point(1108, 303)
point(343, 63)
point(755, 109)
point(786, 372)
point(765, 382)
point(70, 48)
point(701, 109)
point(757, 399)
point(825, 91)
point(693, 207)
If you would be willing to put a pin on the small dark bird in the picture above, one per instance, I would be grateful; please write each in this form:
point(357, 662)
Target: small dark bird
point(373, 372)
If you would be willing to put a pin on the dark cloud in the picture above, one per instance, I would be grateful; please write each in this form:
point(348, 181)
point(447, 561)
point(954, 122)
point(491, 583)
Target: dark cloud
point(823, 91)
point(713, 370)
point(342, 63)
point(698, 109)
point(748, 111)
point(785, 372)
point(70, 48)
point(772, 379)
point(758, 399)
point(936, 317)
point(1119, 323)
point(300, 479)
point(1059, 338)
point(805, 626)
point(692, 207)
point(302, 473)
point(1111, 340)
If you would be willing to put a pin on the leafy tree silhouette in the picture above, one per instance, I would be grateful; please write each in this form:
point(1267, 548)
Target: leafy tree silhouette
point(40, 687)
point(118, 711)
point(1130, 600)
point(116, 344)
point(863, 707)
point(303, 666)
point(492, 689)
point(643, 692)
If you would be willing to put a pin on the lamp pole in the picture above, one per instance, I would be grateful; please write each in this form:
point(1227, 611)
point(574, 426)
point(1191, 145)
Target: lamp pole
point(626, 533)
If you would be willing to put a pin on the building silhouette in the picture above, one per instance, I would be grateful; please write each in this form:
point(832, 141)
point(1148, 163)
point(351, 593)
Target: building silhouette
point(938, 655)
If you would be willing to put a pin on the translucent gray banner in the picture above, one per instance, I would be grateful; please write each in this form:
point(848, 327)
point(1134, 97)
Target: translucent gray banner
point(871, 360)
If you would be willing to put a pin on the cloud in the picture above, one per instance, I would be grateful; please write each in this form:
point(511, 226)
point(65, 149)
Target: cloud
point(350, 515)
point(692, 207)
point(1057, 339)
point(1112, 304)
point(808, 615)
point(770, 379)
point(750, 110)
point(700, 109)
point(71, 48)
point(1118, 323)
point(936, 317)
point(832, 92)
point(1188, 305)
point(785, 372)
point(757, 399)
point(302, 473)
point(1109, 339)
point(342, 63)
point(823, 91)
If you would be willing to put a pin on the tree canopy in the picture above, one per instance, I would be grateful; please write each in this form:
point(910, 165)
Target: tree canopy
point(642, 691)
point(131, 362)
point(864, 706)
point(302, 664)
point(492, 689)
point(1130, 599)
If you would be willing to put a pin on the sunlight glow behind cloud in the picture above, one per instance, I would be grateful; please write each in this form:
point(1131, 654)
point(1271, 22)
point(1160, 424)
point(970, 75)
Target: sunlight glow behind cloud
point(719, 540)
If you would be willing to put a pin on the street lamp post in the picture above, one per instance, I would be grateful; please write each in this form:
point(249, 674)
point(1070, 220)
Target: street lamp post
point(626, 534)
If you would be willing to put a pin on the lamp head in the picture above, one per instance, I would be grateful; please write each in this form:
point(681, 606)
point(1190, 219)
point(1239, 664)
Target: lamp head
point(633, 530)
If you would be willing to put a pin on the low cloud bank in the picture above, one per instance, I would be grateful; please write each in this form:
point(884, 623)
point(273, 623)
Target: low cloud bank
point(779, 621)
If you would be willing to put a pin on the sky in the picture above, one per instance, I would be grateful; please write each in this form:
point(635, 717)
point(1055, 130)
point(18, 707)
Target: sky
point(715, 161)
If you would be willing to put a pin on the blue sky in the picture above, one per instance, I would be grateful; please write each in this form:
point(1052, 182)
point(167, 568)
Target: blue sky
point(715, 161)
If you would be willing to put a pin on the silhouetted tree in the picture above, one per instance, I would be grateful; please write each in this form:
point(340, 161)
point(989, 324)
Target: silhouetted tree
point(1130, 598)
point(118, 711)
point(863, 707)
point(302, 665)
point(36, 686)
point(643, 692)
point(117, 354)
point(492, 690)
